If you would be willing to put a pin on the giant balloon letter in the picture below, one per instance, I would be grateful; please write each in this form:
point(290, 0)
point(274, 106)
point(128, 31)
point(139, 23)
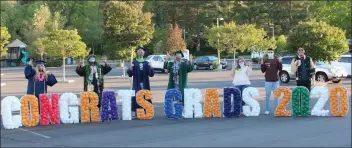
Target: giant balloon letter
point(30, 117)
point(281, 108)
point(321, 92)
point(247, 95)
point(334, 101)
point(69, 108)
point(49, 109)
point(168, 107)
point(232, 94)
point(126, 103)
point(11, 112)
point(300, 101)
point(109, 106)
point(148, 110)
point(212, 103)
point(192, 103)
point(89, 101)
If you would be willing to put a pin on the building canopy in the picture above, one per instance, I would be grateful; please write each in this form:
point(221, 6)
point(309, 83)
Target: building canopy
point(16, 43)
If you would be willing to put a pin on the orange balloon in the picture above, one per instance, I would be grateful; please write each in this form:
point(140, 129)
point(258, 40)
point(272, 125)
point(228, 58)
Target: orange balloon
point(334, 101)
point(26, 114)
point(148, 110)
point(92, 107)
point(281, 109)
point(212, 104)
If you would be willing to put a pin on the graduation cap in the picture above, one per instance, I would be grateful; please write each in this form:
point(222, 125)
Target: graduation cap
point(40, 62)
point(179, 52)
point(144, 49)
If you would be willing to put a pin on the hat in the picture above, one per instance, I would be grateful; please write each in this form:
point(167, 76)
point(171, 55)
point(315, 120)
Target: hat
point(144, 49)
point(180, 52)
point(40, 62)
point(30, 59)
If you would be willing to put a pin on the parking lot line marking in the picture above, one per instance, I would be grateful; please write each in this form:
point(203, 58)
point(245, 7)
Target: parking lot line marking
point(41, 135)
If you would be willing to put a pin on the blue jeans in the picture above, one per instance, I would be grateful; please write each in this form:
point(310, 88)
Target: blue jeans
point(241, 88)
point(270, 87)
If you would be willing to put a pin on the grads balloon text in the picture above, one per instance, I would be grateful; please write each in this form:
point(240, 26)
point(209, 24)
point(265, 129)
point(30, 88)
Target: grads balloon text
point(68, 108)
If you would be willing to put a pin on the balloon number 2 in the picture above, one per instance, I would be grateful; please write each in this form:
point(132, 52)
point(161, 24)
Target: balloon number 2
point(300, 101)
point(322, 93)
point(281, 108)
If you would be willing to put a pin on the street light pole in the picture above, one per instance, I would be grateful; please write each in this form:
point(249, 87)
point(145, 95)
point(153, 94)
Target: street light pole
point(273, 31)
point(217, 25)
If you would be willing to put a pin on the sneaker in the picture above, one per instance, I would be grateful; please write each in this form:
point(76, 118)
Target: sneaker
point(134, 115)
point(266, 113)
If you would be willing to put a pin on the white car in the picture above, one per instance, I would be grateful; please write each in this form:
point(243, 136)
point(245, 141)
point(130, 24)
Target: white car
point(157, 61)
point(323, 71)
point(344, 61)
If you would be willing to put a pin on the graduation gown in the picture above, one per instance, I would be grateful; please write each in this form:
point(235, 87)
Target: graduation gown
point(97, 82)
point(183, 71)
point(138, 78)
point(36, 87)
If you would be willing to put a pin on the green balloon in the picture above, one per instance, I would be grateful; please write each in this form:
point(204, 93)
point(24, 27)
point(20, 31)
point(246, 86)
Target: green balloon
point(300, 101)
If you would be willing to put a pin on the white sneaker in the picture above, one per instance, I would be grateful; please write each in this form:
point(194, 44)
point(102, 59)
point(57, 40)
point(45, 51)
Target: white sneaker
point(134, 115)
point(266, 113)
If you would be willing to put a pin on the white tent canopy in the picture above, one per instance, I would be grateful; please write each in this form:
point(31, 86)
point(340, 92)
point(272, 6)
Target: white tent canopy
point(16, 43)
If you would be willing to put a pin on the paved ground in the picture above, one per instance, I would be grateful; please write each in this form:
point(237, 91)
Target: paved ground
point(264, 130)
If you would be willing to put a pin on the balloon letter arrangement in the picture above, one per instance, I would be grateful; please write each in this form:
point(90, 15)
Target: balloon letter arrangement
point(51, 109)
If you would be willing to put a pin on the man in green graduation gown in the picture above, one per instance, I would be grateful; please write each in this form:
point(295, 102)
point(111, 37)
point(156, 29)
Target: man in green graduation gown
point(178, 72)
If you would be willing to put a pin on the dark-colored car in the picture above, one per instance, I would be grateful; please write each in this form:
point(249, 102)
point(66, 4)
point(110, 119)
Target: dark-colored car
point(207, 62)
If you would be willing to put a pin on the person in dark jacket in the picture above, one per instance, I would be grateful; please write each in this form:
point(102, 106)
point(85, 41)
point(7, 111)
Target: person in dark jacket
point(304, 68)
point(93, 74)
point(140, 70)
point(38, 78)
point(271, 67)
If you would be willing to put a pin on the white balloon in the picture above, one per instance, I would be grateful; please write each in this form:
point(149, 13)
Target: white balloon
point(321, 92)
point(247, 96)
point(192, 103)
point(69, 110)
point(126, 103)
point(8, 105)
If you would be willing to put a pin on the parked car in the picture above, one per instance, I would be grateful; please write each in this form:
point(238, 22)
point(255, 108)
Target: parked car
point(324, 71)
point(157, 61)
point(344, 61)
point(207, 62)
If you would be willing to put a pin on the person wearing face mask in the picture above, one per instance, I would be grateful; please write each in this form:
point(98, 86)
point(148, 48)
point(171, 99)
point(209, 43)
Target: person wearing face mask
point(241, 73)
point(93, 74)
point(140, 70)
point(38, 78)
point(178, 72)
point(304, 68)
point(271, 67)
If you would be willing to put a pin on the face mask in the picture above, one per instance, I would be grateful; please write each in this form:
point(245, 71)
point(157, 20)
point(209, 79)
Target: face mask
point(271, 55)
point(241, 64)
point(92, 60)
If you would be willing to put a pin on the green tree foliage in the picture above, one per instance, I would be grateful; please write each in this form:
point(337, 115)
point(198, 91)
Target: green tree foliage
point(125, 27)
point(320, 40)
point(174, 40)
point(5, 36)
point(336, 13)
point(65, 43)
point(281, 44)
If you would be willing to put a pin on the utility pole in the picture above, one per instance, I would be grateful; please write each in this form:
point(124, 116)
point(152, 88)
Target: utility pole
point(217, 25)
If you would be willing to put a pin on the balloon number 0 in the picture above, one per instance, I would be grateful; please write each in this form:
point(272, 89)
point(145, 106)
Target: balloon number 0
point(281, 108)
point(300, 101)
point(334, 101)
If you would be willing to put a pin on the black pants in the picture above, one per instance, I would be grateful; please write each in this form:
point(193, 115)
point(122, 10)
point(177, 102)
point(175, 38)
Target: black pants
point(305, 83)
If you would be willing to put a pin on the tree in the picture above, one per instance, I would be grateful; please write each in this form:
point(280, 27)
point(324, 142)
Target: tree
point(174, 39)
point(65, 43)
point(234, 37)
point(125, 27)
point(5, 36)
point(320, 40)
point(281, 44)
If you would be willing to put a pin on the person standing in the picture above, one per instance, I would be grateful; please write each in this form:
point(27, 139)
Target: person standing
point(304, 68)
point(93, 74)
point(140, 70)
point(271, 67)
point(241, 72)
point(178, 72)
point(38, 78)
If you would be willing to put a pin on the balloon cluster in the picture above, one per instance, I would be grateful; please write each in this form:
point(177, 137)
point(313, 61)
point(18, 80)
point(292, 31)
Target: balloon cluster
point(69, 108)
point(247, 95)
point(168, 104)
point(300, 101)
point(109, 106)
point(281, 108)
point(212, 104)
point(89, 101)
point(192, 103)
point(9, 105)
point(322, 93)
point(232, 94)
point(49, 110)
point(148, 111)
point(29, 118)
point(334, 102)
point(126, 103)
